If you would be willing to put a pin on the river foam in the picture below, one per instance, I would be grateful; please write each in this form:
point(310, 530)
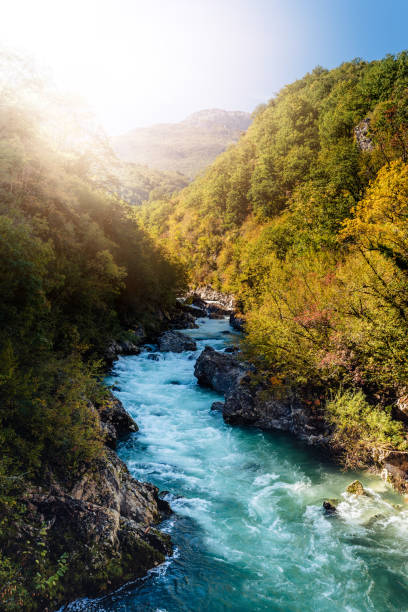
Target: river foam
point(248, 526)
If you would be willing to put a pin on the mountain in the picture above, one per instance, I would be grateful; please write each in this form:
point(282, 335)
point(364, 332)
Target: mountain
point(187, 147)
point(135, 183)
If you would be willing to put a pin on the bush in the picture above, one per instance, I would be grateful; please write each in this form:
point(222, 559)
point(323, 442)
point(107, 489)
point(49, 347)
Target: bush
point(360, 428)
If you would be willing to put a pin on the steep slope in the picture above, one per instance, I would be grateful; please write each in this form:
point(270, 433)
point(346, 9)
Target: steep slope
point(304, 220)
point(186, 147)
point(76, 271)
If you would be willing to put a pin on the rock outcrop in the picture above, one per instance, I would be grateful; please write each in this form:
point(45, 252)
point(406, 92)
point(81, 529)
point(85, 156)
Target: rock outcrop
point(220, 371)
point(175, 342)
point(208, 294)
point(115, 421)
point(237, 321)
point(103, 520)
point(104, 523)
point(256, 404)
point(362, 131)
point(250, 401)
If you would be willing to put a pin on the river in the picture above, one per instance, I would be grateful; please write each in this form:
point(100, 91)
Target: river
point(248, 527)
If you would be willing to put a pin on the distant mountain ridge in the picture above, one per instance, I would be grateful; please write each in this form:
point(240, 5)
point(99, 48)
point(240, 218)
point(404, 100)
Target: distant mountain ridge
point(188, 146)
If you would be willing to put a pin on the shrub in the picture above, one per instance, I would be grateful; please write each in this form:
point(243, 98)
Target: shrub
point(360, 428)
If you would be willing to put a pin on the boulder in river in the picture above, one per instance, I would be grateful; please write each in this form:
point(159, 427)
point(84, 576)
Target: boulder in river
point(176, 342)
point(330, 505)
point(355, 488)
point(217, 370)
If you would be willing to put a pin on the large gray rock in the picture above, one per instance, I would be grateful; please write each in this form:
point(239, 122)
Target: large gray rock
point(105, 523)
point(251, 401)
point(176, 342)
point(220, 371)
point(121, 347)
point(256, 404)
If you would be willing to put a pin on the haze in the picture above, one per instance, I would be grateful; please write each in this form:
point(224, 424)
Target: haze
point(140, 62)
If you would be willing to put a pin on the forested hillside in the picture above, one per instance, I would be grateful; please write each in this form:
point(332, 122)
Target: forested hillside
point(188, 146)
point(76, 271)
point(136, 184)
point(305, 222)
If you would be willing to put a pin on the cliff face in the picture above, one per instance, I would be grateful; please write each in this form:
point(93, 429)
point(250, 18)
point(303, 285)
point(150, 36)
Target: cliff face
point(186, 147)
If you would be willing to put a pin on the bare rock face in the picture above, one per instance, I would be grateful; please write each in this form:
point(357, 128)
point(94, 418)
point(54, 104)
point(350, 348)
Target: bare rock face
point(208, 294)
point(175, 342)
point(394, 468)
point(220, 371)
point(361, 132)
point(105, 523)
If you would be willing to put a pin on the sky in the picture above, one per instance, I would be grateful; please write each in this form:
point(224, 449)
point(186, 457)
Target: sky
point(140, 62)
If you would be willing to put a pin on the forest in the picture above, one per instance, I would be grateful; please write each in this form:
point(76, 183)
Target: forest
point(305, 222)
point(76, 271)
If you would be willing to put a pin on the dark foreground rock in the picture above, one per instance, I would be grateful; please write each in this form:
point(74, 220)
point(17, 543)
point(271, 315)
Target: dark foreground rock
point(103, 520)
point(104, 523)
point(220, 371)
point(175, 342)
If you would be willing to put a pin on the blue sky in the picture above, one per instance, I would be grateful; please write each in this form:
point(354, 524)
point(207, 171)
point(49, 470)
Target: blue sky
point(138, 62)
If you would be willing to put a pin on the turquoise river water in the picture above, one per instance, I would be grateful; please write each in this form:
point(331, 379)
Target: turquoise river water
point(248, 527)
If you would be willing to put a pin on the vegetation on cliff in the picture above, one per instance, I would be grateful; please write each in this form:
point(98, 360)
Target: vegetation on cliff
point(304, 220)
point(76, 270)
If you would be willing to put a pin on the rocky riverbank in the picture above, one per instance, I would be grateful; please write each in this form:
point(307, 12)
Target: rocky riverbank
point(98, 524)
point(102, 522)
point(252, 400)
